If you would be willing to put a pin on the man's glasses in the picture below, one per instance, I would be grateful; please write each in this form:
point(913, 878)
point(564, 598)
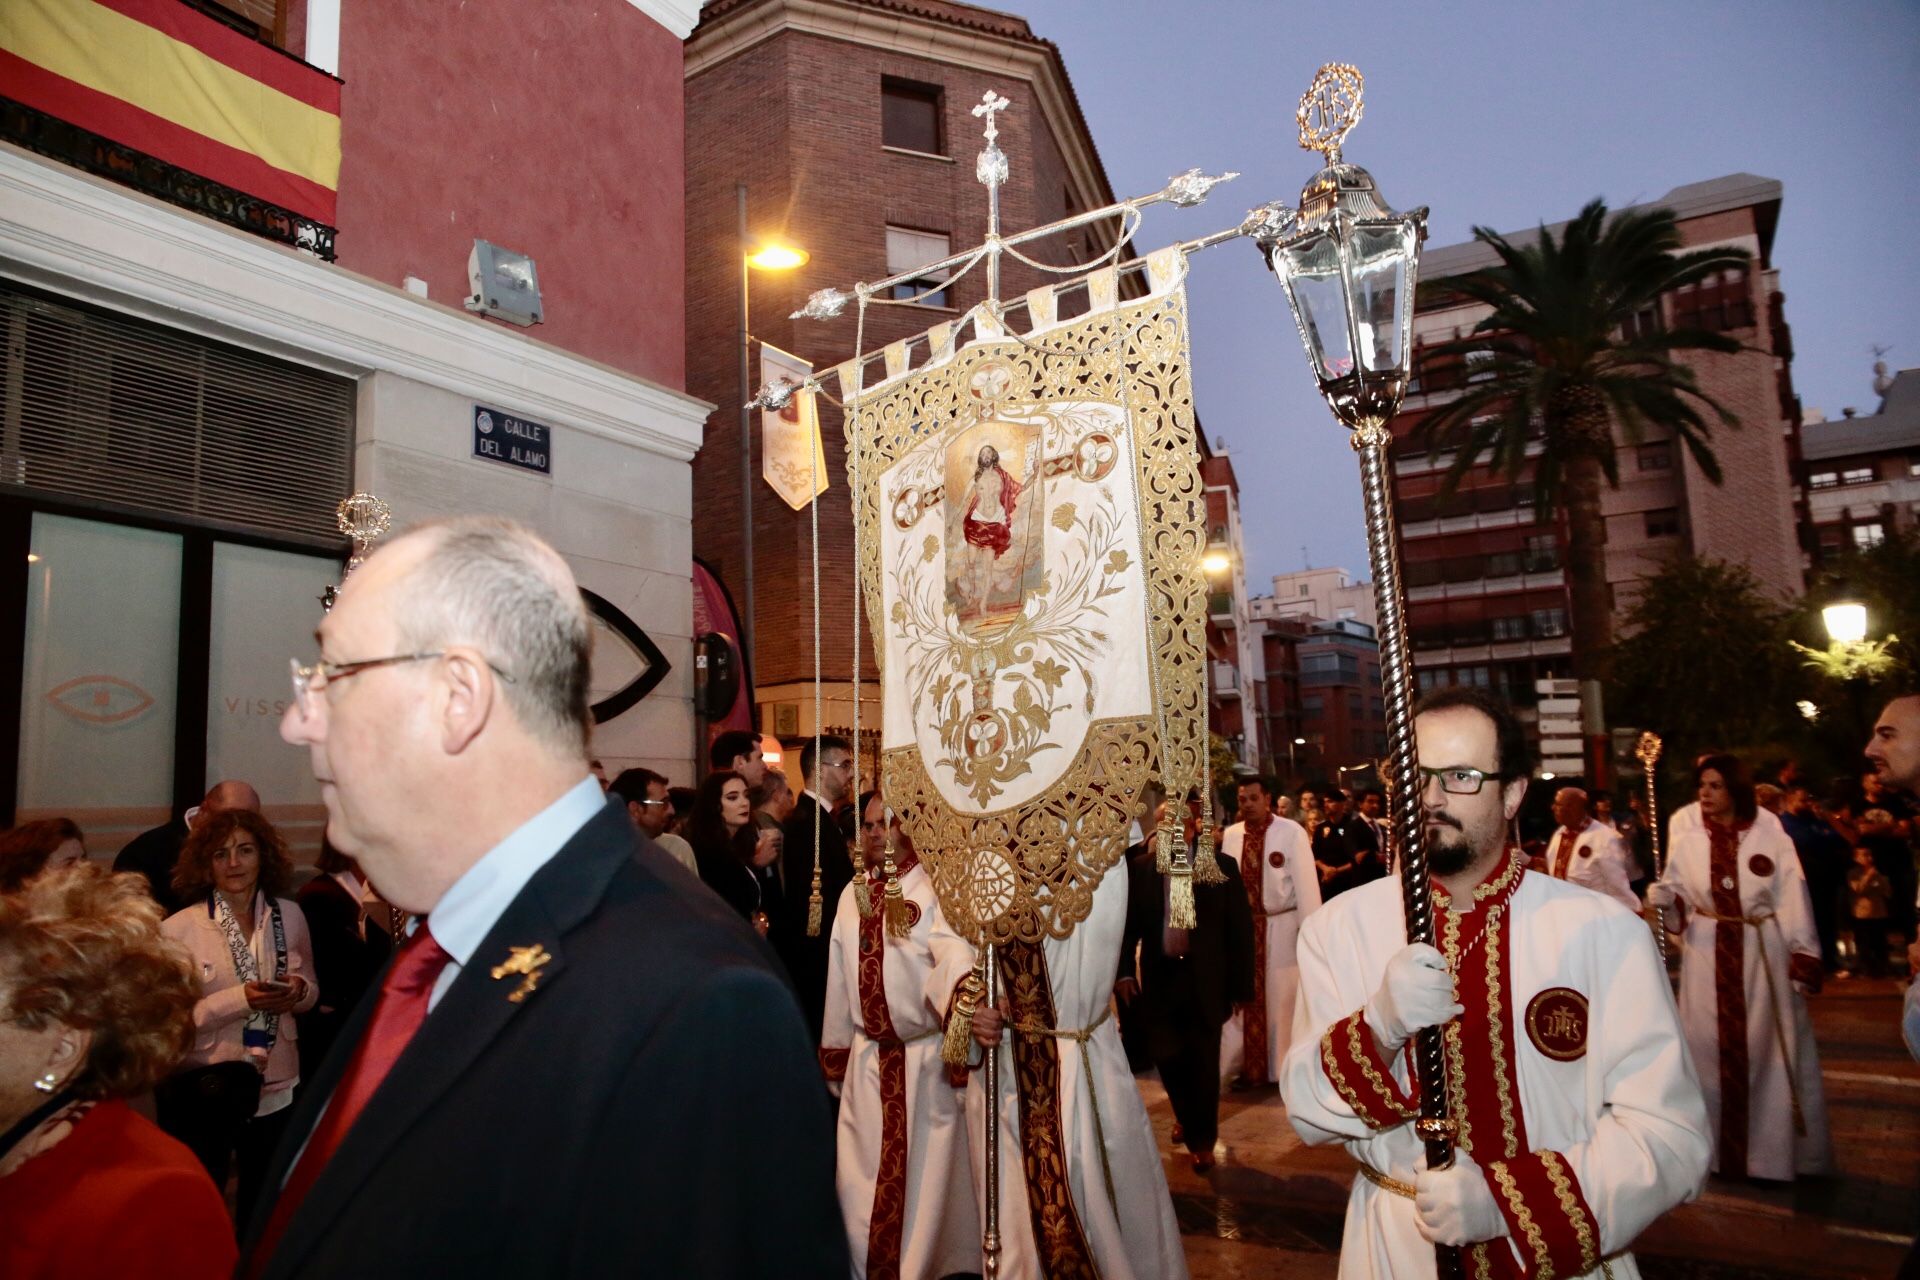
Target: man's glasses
point(1455, 780)
point(309, 681)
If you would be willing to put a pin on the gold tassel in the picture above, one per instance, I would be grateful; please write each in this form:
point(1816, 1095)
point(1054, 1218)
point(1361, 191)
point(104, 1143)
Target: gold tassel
point(957, 1045)
point(1206, 869)
point(1163, 846)
point(815, 903)
point(1180, 913)
point(862, 894)
point(1180, 892)
point(897, 923)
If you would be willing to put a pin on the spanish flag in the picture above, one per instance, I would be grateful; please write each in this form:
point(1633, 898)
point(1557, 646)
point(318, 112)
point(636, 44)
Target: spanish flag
point(166, 80)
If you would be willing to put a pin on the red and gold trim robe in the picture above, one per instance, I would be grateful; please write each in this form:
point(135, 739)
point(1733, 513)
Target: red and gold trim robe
point(1254, 1067)
point(886, 1226)
point(1547, 1217)
point(1057, 1232)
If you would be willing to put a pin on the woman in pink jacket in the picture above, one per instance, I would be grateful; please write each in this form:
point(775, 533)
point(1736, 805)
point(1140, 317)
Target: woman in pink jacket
point(249, 947)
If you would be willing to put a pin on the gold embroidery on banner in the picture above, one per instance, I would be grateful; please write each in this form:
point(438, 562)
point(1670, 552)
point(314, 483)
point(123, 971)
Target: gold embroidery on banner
point(1504, 1073)
point(1028, 872)
point(1536, 1240)
point(1562, 1178)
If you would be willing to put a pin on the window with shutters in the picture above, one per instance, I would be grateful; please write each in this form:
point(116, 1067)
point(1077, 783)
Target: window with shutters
point(102, 407)
point(264, 20)
point(910, 116)
point(909, 250)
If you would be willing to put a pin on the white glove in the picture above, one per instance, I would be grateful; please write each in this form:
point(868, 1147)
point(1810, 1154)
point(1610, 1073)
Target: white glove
point(1415, 992)
point(1455, 1205)
point(1661, 895)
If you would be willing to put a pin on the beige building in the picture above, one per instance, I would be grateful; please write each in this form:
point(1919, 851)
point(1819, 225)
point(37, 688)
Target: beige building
point(1328, 595)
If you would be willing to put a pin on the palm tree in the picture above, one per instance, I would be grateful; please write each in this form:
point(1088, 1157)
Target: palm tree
point(1566, 353)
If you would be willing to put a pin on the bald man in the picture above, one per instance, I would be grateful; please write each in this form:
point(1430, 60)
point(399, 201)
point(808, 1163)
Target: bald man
point(153, 853)
point(568, 1057)
point(1587, 852)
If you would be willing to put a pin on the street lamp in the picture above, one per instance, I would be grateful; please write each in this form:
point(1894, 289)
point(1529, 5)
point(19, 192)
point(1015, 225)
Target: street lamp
point(1348, 263)
point(1216, 562)
point(1845, 618)
point(767, 255)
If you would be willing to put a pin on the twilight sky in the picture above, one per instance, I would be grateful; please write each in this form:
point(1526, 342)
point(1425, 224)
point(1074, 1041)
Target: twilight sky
point(1505, 114)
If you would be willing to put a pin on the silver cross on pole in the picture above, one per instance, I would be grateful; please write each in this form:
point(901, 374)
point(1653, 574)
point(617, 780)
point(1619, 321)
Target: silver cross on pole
point(991, 170)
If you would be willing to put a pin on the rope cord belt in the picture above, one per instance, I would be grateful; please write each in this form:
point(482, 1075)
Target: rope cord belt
point(1086, 1069)
point(895, 1042)
point(1773, 998)
point(1260, 914)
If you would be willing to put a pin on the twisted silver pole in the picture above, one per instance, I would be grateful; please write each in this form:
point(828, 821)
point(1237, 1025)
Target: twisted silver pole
point(990, 1245)
point(1370, 441)
point(1648, 749)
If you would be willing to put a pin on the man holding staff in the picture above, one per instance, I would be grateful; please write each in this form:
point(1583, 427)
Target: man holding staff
point(1579, 1117)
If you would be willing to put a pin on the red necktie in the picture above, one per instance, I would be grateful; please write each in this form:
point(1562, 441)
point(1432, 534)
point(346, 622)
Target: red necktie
point(402, 1008)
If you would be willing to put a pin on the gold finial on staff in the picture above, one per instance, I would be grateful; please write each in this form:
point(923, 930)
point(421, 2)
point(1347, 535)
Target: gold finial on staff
point(1330, 108)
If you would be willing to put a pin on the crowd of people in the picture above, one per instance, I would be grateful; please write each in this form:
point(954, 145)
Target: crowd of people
point(523, 1019)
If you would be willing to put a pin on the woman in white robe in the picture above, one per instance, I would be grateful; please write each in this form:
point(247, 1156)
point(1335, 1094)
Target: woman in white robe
point(1735, 893)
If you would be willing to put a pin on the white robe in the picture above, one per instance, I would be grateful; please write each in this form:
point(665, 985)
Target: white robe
point(1288, 894)
point(941, 1234)
point(1133, 1234)
point(1774, 1149)
point(1599, 861)
point(1626, 1115)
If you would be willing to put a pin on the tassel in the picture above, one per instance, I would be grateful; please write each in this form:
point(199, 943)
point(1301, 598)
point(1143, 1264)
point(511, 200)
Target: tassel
point(1206, 870)
point(897, 924)
point(1180, 913)
point(1163, 847)
point(1180, 891)
point(815, 903)
point(957, 1045)
point(862, 894)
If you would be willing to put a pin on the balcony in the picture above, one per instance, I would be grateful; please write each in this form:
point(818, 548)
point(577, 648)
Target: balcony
point(1226, 680)
point(1451, 655)
point(231, 129)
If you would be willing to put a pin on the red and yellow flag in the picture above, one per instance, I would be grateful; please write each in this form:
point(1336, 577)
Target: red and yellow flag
point(163, 79)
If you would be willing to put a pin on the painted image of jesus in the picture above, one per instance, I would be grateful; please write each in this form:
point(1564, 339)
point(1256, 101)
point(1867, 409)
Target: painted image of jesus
point(996, 558)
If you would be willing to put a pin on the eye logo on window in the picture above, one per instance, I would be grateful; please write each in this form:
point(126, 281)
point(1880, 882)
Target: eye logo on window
point(626, 662)
point(100, 699)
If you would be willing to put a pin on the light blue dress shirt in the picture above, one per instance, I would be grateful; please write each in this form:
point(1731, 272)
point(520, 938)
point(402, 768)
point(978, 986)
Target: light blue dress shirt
point(467, 912)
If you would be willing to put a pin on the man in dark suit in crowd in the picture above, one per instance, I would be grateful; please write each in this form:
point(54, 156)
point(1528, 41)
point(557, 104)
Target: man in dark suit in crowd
point(1344, 847)
point(829, 780)
point(350, 947)
point(1188, 980)
point(580, 1063)
point(153, 853)
point(739, 750)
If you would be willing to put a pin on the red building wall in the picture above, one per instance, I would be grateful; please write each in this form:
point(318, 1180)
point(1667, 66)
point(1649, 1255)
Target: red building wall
point(555, 130)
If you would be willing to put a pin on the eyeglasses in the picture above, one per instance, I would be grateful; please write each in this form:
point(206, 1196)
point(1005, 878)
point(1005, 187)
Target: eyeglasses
point(651, 804)
point(308, 681)
point(1455, 781)
point(838, 764)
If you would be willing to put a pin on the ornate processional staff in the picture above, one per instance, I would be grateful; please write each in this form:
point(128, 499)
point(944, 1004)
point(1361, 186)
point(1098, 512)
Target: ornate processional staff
point(1348, 263)
point(1648, 749)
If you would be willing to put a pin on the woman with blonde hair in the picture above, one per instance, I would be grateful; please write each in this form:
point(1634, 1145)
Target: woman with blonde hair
point(253, 956)
point(95, 1006)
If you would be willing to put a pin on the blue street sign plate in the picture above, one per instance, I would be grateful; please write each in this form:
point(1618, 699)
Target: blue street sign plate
point(513, 441)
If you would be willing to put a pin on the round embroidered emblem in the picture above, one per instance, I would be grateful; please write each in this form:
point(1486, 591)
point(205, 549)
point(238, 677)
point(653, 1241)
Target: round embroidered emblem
point(913, 913)
point(1276, 859)
point(866, 941)
point(1557, 1023)
point(1726, 882)
point(1587, 852)
point(1760, 864)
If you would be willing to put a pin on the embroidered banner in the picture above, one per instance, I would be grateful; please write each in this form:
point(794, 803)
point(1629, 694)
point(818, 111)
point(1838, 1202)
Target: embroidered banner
point(1032, 519)
point(792, 458)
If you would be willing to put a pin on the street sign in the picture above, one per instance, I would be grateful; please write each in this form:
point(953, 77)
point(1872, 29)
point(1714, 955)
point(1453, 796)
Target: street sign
point(512, 441)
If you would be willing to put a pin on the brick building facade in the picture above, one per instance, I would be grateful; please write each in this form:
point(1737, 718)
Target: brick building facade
point(846, 121)
point(1486, 588)
point(1862, 471)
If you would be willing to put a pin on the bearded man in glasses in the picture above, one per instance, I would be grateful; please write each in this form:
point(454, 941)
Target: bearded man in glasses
point(569, 1053)
point(1580, 1118)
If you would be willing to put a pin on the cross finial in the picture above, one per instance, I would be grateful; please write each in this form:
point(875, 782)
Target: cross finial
point(991, 104)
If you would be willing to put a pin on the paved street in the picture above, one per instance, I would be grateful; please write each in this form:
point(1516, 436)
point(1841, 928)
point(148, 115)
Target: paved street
point(1274, 1207)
